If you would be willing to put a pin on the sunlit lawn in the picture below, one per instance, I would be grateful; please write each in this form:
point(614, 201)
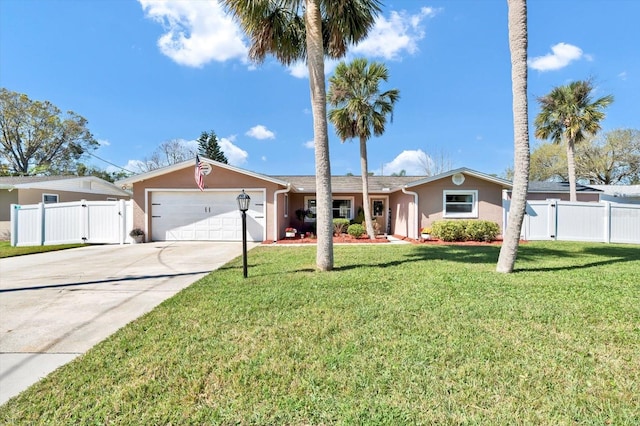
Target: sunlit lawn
point(397, 334)
point(7, 251)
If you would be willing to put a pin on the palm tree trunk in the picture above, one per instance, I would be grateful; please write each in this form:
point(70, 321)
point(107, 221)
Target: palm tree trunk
point(518, 47)
point(315, 62)
point(365, 189)
point(571, 165)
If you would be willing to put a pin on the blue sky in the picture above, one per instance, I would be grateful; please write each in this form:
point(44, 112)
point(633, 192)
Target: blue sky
point(143, 72)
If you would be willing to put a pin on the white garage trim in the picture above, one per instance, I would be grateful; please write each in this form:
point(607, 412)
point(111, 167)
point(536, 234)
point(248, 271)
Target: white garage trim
point(175, 214)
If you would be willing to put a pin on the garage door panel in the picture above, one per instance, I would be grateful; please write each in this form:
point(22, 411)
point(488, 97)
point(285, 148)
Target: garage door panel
point(206, 216)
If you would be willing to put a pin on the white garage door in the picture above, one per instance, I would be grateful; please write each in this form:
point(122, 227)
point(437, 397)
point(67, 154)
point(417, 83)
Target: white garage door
point(205, 216)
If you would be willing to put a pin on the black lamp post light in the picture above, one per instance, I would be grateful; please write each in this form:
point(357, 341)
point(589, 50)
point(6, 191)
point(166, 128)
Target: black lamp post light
point(243, 204)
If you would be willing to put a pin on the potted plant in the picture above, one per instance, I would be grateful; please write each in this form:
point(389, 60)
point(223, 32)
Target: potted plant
point(290, 232)
point(137, 234)
point(425, 233)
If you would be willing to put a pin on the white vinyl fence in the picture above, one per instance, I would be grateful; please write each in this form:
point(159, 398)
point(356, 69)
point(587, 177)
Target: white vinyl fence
point(94, 222)
point(581, 221)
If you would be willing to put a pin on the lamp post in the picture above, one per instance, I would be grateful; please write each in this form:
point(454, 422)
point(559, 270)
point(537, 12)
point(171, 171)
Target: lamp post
point(243, 204)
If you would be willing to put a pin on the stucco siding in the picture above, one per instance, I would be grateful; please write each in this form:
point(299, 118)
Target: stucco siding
point(219, 178)
point(431, 208)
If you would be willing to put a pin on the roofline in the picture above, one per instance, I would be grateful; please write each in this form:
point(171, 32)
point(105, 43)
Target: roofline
point(464, 170)
point(190, 163)
point(40, 184)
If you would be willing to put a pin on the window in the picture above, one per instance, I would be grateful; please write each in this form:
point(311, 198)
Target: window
point(340, 208)
point(49, 198)
point(460, 203)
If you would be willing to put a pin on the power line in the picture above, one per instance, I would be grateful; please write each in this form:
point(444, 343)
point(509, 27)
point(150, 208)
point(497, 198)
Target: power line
point(110, 163)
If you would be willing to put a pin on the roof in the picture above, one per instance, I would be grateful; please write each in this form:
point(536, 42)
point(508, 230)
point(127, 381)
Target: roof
point(128, 182)
point(536, 186)
point(83, 184)
point(463, 170)
point(619, 190)
point(348, 184)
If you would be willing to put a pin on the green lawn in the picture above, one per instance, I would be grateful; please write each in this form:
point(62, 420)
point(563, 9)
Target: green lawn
point(7, 251)
point(397, 334)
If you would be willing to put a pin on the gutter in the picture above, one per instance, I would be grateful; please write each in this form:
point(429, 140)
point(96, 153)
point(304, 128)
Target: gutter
point(275, 210)
point(416, 225)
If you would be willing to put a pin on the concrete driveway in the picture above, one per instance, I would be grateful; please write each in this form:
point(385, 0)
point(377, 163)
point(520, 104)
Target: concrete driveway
point(55, 306)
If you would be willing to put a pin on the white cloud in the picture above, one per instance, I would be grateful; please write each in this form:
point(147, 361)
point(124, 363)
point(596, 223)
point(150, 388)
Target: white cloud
point(263, 158)
point(390, 37)
point(260, 132)
point(562, 55)
point(236, 156)
point(103, 142)
point(411, 161)
point(310, 144)
point(196, 32)
point(622, 75)
point(135, 166)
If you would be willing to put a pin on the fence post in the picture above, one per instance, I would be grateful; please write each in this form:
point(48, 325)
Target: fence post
point(122, 220)
point(14, 224)
point(607, 222)
point(553, 219)
point(41, 219)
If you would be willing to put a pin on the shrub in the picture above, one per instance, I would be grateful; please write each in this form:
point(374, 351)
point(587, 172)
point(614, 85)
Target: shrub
point(465, 230)
point(340, 226)
point(356, 230)
point(482, 230)
point(449, 230)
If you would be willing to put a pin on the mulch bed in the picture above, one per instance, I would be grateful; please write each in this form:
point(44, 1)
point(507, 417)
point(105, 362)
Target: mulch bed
point(344, 238)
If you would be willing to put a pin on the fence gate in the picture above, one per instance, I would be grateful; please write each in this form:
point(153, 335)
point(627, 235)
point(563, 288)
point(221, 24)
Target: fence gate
point(96, 222)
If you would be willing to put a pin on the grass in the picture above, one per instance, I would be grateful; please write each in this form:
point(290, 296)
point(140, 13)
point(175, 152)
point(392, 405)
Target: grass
point(7, 251)
point(397, 334)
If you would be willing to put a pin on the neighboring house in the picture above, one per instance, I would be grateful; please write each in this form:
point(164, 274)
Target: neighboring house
point(169, 206)
point(627, 194)
point(560, 191)
point(51, 189)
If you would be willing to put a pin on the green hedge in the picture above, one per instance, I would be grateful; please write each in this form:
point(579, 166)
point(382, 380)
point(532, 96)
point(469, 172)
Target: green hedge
point(465, 230)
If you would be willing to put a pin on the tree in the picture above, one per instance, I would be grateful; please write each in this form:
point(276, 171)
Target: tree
point(36, 138)
point(208, 147)
point(569, 115)
point(308, 29)
point(84, 170)
point(548, 163)
point(436, 164)
point(611, 159)
point(170, 152)
point(518, 40)
point(360, 110)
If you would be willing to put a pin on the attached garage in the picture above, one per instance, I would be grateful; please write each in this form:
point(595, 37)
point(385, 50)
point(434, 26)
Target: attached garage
point(210, 215)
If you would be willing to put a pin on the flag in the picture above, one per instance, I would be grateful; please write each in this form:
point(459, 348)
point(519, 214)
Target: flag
point(198, 174)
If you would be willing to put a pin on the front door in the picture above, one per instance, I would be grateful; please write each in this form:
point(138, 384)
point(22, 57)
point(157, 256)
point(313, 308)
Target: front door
point(378, 209)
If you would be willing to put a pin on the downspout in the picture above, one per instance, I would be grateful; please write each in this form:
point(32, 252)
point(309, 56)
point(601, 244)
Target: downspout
point(275, 210)
point(414, 233)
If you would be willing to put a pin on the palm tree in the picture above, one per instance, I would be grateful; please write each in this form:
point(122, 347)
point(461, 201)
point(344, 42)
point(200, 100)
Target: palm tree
point(518, 46)
point(309, 29)
point(568, 114)
point(361, 108)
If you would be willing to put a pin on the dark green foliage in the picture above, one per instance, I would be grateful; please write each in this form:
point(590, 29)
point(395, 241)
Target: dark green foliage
point(465, 230)
point(340, 226)
point(355, 230)
point(208, 147)
point(359, 216)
